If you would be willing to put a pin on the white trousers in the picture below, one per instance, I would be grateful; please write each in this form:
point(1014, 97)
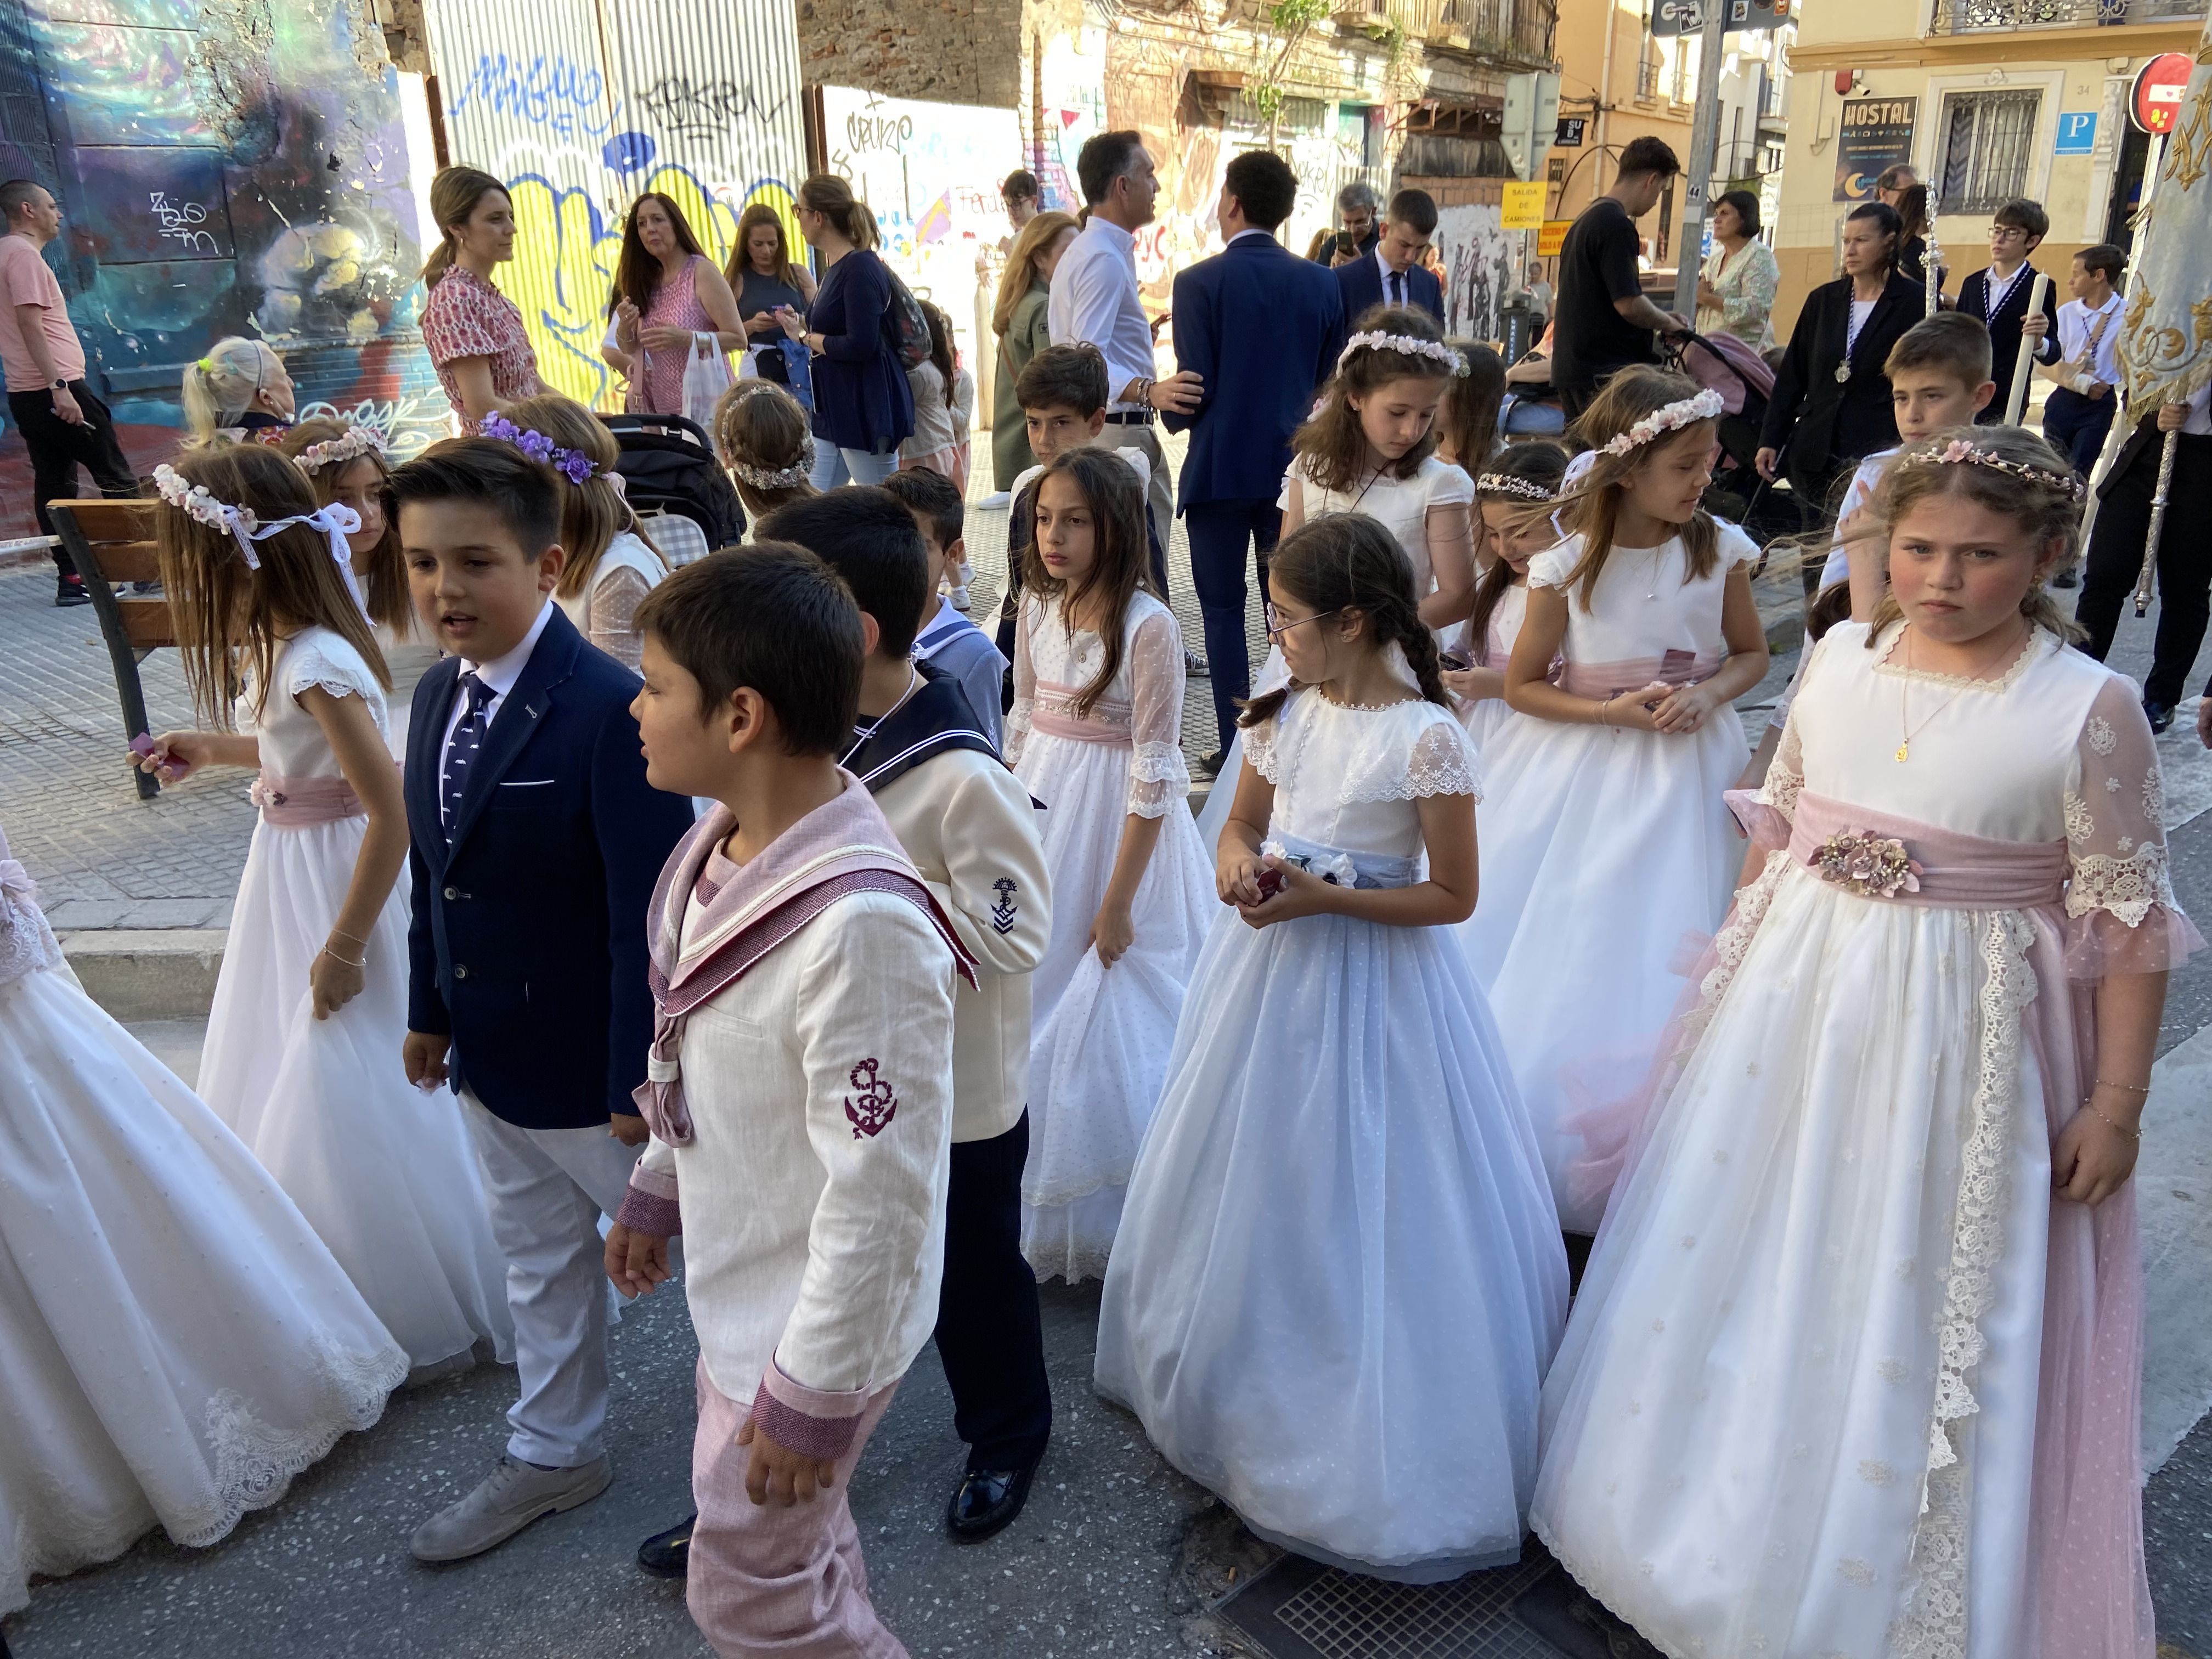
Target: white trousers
point(548, 1189)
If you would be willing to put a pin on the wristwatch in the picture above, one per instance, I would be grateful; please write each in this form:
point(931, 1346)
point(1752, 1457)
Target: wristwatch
point(60, 383)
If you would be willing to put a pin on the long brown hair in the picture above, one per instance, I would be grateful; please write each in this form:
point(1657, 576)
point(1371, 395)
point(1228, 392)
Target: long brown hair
point(1120, 565)
point(1021, 270)
point(741, 259)
point(455, 193)
point(638, 273)
point(827, 194)
point(230, 618)
point(1469, 417)
point(1592, 509)
point(2044, 508)
point(940, 346)
point(1543, 465)
point(593, 513)
point(382, 568)
point(1334, 443)
point(1348, 562)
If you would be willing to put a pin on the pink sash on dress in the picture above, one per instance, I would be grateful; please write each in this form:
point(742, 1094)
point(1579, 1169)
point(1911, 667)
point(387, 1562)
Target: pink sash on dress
point(1108, 723)
point(295, 803)
point(1610, 679)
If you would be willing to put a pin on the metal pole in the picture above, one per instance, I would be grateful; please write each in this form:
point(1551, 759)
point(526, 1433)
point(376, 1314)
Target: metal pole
point(2157, 519)
point(1705, 147)
point(1935, 276)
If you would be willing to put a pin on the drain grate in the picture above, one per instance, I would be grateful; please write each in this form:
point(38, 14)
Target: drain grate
point(1299, 1609)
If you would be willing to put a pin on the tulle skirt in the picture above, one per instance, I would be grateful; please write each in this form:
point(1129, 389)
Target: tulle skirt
point(1102, 1035)
point(175, 1343)
point(383, 1172)
point(1339, 1277)
point(1608, 858)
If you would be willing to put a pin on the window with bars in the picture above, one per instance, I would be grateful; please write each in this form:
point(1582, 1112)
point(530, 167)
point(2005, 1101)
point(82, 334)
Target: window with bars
point(1988, 140)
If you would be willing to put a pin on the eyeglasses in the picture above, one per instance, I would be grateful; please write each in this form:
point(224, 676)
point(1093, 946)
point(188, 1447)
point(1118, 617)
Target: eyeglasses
point(1278, 625)
point(2006, 233)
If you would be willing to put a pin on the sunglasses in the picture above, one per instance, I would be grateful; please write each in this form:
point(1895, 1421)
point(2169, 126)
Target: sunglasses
point(1278, 624)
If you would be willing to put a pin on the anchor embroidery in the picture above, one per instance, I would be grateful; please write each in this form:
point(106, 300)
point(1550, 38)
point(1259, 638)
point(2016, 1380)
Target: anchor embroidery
point(1002, 913)
point(877, 1104)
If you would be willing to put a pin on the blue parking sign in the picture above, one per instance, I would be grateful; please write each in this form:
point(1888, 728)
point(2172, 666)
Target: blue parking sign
point(2077, 132)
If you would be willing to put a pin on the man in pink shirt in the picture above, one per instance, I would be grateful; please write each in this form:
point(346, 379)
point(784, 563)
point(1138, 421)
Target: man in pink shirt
point(63, 424)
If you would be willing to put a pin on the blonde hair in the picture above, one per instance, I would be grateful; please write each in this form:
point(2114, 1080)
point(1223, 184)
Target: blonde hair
point(1014, 281)
point(2046, 509)
point(592, 513)
point(1593, 508)
point(229, 616)
point(455, 193)
point(762, 430)
point(382, 568)
point(223, 384)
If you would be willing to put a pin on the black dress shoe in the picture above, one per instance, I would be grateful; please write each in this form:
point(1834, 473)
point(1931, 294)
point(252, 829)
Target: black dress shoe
point(2158, 715)
point(986, 1500)
point(668, 1554)
point(2066, 578)
point(1211, 765)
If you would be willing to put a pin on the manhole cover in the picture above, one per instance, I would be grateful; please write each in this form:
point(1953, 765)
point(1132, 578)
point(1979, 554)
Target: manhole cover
point(1299, 1609)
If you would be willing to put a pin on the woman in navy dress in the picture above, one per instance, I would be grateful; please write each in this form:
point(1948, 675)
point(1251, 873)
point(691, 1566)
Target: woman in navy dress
point(863, 406)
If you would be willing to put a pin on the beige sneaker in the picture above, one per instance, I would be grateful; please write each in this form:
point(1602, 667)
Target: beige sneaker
point(508, 1499)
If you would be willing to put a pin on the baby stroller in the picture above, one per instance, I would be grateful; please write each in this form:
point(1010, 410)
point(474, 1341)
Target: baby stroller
point(668, 467)
point(1723, 363)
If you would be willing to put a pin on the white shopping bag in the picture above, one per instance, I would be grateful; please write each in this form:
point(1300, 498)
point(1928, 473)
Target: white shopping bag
point(706, 377)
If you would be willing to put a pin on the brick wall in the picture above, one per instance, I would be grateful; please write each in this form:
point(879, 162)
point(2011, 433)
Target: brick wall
point(958, 51)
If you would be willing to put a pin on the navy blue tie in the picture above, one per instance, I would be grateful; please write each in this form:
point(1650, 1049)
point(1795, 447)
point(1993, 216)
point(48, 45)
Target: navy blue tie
point(468, 736)
point(1397, 288)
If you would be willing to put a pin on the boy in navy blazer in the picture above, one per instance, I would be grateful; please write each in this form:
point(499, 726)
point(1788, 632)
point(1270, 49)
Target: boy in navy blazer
point(1262, 328)
point(1393, 275)
point(536, 842)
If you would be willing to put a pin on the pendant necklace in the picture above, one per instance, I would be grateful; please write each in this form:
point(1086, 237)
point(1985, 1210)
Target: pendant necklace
point(1906, 730)
point(1851, 329)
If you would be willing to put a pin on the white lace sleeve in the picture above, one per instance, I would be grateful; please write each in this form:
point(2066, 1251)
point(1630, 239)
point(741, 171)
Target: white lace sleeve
point(1159, 777)
point(1018, 717)
point(324, 660)
point(1416, 751)
point(1443, 763)
point(2119, 900)
point(1259, 744)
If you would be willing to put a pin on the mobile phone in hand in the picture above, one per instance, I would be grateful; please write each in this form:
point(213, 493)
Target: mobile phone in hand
point(1458, 661)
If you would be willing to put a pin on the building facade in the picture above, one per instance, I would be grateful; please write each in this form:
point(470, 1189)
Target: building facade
point(1987, 100)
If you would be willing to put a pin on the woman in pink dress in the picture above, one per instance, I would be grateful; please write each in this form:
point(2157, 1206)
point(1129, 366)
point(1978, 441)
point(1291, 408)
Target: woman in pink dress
point(667, 293)
point(473, 332)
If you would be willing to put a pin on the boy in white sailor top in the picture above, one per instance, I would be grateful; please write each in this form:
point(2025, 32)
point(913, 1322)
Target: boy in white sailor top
point(800, 1092)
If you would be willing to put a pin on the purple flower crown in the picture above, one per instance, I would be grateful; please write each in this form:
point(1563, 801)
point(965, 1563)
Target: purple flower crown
point(573, 464)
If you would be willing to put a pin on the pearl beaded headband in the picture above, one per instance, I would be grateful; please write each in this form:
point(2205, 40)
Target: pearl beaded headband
point(1504, 483)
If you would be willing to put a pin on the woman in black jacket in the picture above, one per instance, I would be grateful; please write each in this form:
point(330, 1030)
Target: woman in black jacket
point(1830, 405)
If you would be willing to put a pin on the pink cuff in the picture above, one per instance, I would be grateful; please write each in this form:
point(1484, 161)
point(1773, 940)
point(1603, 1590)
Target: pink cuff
point(650, 1205)
point(813, 1422)
point(1766, 827)
point(2099, 944)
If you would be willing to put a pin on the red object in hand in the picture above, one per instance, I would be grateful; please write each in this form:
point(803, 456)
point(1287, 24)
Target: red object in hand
point(1271, 883)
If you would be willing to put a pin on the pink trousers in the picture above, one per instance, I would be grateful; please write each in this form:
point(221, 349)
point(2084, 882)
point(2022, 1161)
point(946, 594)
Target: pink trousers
point(769, 1580)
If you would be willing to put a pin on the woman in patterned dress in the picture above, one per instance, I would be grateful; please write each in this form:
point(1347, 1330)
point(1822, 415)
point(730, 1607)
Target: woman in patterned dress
point(667, 292)
point(473, 332)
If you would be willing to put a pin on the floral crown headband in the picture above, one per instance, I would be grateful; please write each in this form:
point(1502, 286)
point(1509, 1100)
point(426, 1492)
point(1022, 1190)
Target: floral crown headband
point(1504, 483)
point(1964, 452)
point(350, 446)
point(781, 477)
point(198, 503)
point(1687, 411)
point(573, 464)
point(1411, 345)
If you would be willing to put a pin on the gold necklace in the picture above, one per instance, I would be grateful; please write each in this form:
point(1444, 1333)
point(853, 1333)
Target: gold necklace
point(1906, 730)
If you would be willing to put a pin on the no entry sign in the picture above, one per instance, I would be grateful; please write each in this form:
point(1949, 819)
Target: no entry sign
point(2156, 106)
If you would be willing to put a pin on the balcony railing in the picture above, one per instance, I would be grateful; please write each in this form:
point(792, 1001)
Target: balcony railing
point(1977, 16)
point(1510, 28)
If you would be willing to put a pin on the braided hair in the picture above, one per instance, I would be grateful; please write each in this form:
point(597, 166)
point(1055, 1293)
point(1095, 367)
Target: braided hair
point(1347, 562)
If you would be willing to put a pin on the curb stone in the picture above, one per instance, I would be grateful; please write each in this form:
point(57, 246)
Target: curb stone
point(148, 973)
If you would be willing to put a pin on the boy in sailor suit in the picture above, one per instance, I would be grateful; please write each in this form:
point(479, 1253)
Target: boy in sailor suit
point(800, 1092)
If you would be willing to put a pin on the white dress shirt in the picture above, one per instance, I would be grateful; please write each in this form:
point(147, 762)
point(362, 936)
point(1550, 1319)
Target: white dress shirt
point(1094, 299)
point(2075, 323)
point(1403, 295)
point(500, 674)
point(1253, 231)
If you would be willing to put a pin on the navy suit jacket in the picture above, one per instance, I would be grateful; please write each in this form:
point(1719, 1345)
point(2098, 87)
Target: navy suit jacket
point(528, 941)
point(1361, 284)
point(1261, 327)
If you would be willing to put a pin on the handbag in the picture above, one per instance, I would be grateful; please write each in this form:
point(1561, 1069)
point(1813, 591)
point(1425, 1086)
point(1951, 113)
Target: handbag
point(706, 377)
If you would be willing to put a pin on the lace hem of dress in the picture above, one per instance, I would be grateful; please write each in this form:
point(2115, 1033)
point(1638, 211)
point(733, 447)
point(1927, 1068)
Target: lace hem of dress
point(1452, 775)
point(2128, 887)
point(1158, 763)
point(1934, 1623)
point(1780, 791)
point(27, 943)
point(2031, 652)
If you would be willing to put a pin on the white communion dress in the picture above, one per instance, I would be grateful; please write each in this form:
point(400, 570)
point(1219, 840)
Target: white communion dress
point(1340, 1278)
point(1102, 1035)
point(1844, 1378)
point(175, 1342)
point(1486, 719)
point(383, 1171)
point(1605, 850)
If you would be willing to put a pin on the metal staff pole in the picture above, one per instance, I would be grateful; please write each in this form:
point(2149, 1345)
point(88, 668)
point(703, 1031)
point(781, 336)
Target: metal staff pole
point(2157, 520)
point(2024, 361)
point(1935, 278)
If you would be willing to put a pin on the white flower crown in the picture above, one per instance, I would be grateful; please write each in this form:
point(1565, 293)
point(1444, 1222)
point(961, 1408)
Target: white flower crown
point(1705, 406)
point(1504, 483)
point(781, 477)
point(351, 445)
point(198, 503)
point(1411, 345)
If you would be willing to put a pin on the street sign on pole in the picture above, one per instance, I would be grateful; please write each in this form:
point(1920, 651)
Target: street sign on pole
point(1524, 205)
point(1746, 16)
point(1705, 148)
point(2155, 104)
point(1531, 121)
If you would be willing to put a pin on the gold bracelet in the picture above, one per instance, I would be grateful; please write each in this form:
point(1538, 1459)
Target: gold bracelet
point(355, 937)
point(2132, 1135)
point(349, 961)
point(2132, 1088)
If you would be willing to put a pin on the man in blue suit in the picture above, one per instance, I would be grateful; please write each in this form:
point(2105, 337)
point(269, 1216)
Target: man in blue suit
point(1393, 274)
point(1259, 328)
point(537, 842)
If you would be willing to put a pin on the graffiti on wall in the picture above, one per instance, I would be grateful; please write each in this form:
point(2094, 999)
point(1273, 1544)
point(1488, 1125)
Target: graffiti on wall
point(1480, 257)
point(699, 102)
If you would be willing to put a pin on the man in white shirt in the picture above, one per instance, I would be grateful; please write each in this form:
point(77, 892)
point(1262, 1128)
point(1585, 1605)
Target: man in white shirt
point(2079, 411)
point(1095, 298)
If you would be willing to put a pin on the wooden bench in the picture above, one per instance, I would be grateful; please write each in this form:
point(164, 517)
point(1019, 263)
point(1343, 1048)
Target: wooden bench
point(111, 542)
